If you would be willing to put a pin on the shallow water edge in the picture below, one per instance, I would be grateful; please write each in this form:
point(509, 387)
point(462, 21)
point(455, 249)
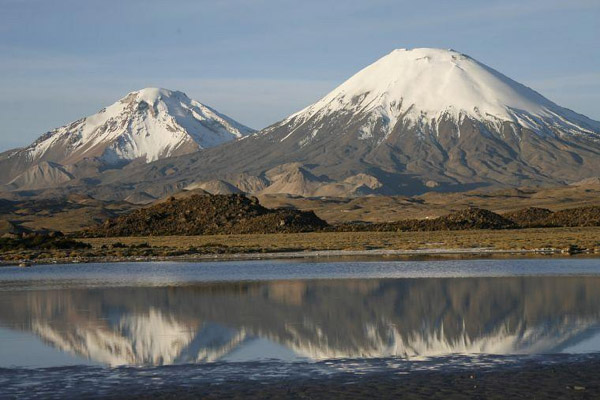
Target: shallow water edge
point(548, 377)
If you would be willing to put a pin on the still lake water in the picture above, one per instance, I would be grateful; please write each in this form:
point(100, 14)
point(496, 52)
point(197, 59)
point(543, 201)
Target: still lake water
point(63, 327)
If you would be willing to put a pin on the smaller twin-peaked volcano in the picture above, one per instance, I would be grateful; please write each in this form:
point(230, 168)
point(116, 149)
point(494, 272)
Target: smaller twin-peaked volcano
point(146, 125)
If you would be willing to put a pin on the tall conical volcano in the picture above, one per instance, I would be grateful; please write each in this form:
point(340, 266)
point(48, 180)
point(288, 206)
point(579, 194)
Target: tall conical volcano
point(424, 87)
point(145, 125)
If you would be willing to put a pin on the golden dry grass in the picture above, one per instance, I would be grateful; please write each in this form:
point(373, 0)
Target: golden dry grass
point(461, 244)
point(557, 238)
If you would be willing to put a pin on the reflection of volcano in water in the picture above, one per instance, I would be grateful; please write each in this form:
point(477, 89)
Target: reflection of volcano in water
point(316, 319)
point(145, 339)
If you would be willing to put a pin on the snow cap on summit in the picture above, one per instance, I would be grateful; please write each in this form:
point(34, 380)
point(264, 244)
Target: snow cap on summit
point(152, 94)
point(425, 84)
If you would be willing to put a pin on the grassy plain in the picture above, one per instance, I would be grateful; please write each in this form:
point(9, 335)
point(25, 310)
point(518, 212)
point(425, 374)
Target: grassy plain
point(513, 239)
point(468, 243)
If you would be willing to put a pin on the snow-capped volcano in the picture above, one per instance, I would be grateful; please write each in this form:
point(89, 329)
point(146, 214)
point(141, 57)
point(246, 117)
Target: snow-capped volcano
point(149, 124)
point(145, 125)
point(425, 86)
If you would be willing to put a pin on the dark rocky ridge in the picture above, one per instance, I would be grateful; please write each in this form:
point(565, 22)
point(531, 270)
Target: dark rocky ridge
point(581, 216)
point(541, 218)
point(205, 214)
point(528, 217)
point(208, 215)
point(39, 241)
point(467, 219)
point(479, 218)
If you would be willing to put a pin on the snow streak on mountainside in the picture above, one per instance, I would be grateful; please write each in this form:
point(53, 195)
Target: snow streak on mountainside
point(148, 125)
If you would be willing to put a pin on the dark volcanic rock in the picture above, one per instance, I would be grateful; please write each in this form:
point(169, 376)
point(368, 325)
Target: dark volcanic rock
point(580, 216)
point(478, 218)
point(540, 217)
point(531, 217)
point(470, 218)
point(40, 241)
point(208, 215)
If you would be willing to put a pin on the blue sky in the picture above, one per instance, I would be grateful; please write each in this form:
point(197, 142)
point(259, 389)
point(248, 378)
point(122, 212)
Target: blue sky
point(260, 60)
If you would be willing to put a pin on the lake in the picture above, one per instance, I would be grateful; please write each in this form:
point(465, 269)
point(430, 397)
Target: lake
point(83, 327)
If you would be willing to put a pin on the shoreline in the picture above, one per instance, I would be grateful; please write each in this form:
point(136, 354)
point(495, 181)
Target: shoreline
point(546, 377)
point(556, 381)
point(416, 254)
point(535, 242)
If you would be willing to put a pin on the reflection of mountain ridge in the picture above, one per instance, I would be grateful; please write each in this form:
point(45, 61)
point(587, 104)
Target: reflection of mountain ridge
point(137, 339)
point(317, 319)
point(153, 339)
